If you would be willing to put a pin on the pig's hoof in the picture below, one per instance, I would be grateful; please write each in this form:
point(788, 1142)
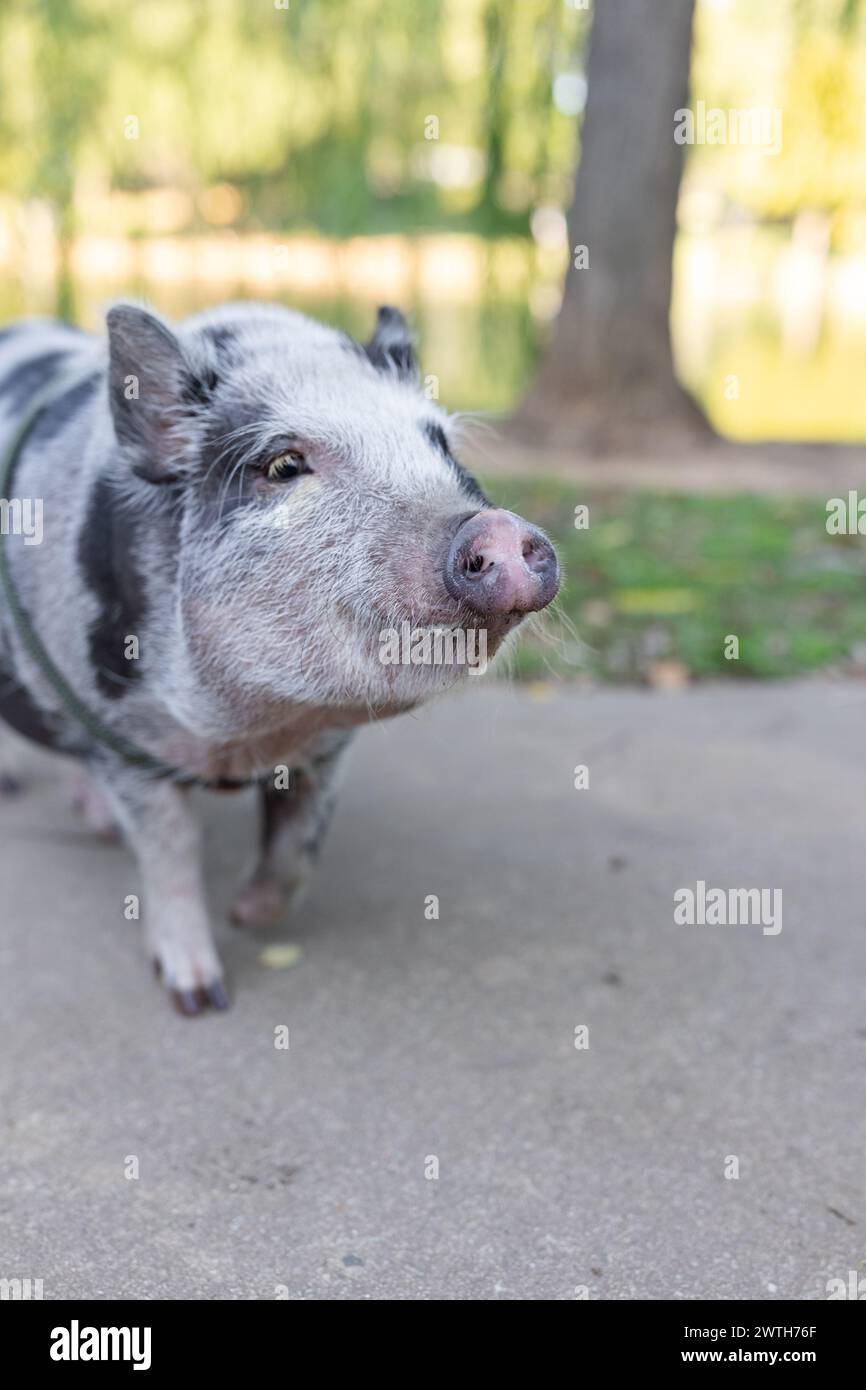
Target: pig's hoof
point(262, 903)
point(10, 785)
point(191, 1002)
point(193, 984)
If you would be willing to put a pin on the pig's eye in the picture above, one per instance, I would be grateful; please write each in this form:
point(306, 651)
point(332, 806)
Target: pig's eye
point(286, 466)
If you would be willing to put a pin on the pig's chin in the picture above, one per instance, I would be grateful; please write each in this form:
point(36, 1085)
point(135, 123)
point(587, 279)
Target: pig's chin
point(416, 661)
point(406, 689)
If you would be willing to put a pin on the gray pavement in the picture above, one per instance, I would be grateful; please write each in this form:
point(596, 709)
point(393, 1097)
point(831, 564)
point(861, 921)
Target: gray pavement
point(559, 1169)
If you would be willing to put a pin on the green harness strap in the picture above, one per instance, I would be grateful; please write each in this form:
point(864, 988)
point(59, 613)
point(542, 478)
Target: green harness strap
point(73, 704)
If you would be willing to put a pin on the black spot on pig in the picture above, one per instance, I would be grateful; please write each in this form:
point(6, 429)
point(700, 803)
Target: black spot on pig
point(225, 481)
point(223, 339)
point(64, 408)
point(106, 555)
point(436, 435)
point(20, 711)
point(23, 381)
point(197, 388)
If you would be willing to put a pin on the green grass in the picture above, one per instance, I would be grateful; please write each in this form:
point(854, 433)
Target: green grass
point(666, 578)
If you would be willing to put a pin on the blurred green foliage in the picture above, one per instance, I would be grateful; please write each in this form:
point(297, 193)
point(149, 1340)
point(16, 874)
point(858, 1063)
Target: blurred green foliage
point(369, 115)
point(322, 114)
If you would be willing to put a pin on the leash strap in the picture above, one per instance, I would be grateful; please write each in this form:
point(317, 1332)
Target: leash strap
point(73, 704)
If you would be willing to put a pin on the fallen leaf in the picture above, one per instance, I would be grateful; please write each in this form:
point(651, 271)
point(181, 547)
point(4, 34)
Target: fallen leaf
point(281, 957)
point(539, 692)
point(667, 675)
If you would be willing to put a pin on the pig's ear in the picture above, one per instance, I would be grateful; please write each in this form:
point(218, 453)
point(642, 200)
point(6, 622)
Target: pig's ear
point(148, 383)
point(391, 348)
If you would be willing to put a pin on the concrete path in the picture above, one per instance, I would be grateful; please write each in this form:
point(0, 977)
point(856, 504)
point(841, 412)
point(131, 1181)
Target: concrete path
point(414, 1040)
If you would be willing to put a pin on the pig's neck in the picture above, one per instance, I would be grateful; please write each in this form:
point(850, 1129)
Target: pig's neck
point(238, 756)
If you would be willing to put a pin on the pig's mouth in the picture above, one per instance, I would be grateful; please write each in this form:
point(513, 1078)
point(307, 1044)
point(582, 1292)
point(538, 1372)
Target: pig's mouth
point(496, 627)
point(434, 611)
point(450, 645)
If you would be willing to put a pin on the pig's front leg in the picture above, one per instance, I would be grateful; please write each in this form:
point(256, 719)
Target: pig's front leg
point(165, 837)
point(294, 822)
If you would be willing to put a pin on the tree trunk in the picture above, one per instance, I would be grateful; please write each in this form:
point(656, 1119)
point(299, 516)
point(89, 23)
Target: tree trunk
point(607, 379)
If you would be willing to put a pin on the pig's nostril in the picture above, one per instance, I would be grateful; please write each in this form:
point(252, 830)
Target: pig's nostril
point(473, 564)
point(537, 553)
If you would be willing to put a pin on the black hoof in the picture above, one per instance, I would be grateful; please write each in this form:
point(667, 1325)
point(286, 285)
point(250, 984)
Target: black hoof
point(187, 1002)
point(217, 996)
point(191, 1002)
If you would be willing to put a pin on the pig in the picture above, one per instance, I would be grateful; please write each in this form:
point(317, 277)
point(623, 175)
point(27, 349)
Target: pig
point(234, 510)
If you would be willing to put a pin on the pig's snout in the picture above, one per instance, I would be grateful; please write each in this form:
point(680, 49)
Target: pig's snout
point(498, 563)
